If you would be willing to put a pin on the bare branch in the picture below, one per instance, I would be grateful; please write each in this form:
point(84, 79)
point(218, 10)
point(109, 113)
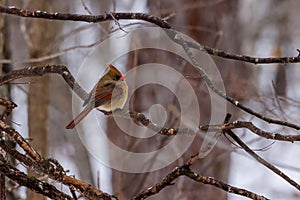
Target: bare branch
point(20, 141)
point(250, 126)
point(178, 39)
point(244, 58)
point(49, 56)
point(145, 17)
point(9, 106)
point(143, 120)
point(84, 18)
point(226, 187)
point(55, 171)
point(185, 170)
point(42, 70)
point(31, 182)
point(65, 73)
point(261, 160)
point(49, 167)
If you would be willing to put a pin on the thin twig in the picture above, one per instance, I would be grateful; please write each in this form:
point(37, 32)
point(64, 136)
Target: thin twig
point(261, 160)
point(117, 23)
point(49, 56)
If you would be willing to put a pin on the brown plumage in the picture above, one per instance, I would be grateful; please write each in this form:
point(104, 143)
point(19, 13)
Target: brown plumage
point(109, 93)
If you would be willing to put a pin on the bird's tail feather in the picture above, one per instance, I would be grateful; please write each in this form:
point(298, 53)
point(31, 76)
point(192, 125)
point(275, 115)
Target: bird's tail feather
point(78, 119)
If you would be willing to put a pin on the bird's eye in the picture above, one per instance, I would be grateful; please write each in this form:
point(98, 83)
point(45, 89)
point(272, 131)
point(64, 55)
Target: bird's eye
point(117, 77)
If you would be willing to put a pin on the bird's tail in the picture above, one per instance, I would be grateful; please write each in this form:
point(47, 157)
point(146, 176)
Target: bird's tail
point(78, 119)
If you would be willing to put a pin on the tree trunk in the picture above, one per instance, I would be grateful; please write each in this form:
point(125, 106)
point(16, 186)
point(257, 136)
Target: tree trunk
point(37, 38)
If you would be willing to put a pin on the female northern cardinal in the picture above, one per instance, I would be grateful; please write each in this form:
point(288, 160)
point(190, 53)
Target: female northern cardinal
point(110, 93)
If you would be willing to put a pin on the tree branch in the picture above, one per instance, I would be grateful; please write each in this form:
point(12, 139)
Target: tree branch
point(261, 160)
point(42, 70)
point(250, 126)
point(219, 184)
point(84, 18)
point(49, 167)
point(143, 120)
point(145, 17)
point(31, 182)
point(54, 170)
point(139, 117)
point(244, 58)
point(173, 35)
point(185, 170)
point(178, 39)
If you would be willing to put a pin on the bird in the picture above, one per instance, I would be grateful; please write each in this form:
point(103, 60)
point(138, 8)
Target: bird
point(110, 93)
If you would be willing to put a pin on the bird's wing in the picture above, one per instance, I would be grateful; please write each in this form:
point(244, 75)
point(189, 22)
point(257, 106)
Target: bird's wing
point(104, 94)
point(98, 97)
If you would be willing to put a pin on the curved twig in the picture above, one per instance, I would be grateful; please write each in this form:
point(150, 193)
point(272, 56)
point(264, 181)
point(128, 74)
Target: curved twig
point(42, 70)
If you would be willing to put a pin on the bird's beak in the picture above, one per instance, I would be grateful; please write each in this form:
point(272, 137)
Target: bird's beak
point(122, 78)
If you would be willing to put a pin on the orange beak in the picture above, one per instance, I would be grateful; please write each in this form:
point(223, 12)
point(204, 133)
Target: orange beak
point(122, 78)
